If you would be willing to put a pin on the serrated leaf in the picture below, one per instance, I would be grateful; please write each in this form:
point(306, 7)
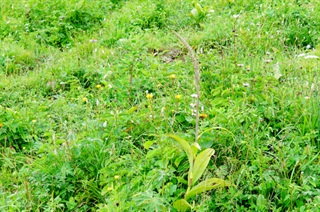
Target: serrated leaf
point(186, 147)
point(207, 185)
point(201, 163)
point(181, 205)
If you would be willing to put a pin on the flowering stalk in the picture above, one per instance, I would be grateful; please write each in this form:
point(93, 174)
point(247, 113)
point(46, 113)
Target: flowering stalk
point(196, 79)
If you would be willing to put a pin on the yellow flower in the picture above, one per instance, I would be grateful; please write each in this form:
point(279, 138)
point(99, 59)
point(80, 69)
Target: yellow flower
point(149, 95)
point(34, 121)
point(172, 76)
point(98, 86)
point(1, 125)
point(178, 97)
point(203, 115)
point(84, 99)
point(116, 177)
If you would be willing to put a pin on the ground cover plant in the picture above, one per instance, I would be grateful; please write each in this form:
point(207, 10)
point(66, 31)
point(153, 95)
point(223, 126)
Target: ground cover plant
point(99, 105)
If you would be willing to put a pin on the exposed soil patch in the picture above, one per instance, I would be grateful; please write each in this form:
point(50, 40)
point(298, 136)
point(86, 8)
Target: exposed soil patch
point(169, 55)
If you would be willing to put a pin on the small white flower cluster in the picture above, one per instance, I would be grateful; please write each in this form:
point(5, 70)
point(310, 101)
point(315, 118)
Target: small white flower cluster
point(193, 105)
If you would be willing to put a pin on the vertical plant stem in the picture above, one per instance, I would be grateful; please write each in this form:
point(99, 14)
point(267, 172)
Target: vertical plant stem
point(235, 50)
point(28, 195)
point(130, 80)
point(196, 79)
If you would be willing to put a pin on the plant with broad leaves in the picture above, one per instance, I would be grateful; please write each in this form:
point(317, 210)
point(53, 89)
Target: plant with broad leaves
point(198, 13)
point(198, 163)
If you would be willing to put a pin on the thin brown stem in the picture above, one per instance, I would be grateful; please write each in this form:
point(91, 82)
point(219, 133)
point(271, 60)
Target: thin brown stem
point(196, 79)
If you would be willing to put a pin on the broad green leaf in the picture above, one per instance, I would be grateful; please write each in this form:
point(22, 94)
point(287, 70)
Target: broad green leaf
point(196, 145)
point(201, 164)
point(207, 185)
point(153, 153)
point(194, 14)
point(199, 8)
point(133, 109)
point(186, 147)
point(261, 202)
point(181, 205)
point(195, 148)
point(43, 148)
point(60, 141)
point(148, 144)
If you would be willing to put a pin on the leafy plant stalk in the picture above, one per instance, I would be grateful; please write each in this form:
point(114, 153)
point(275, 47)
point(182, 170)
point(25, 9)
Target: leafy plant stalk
point(198, 163)
point(196, 79)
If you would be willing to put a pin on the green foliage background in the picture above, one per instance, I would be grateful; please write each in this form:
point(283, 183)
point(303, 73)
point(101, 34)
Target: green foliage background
point(77, 132)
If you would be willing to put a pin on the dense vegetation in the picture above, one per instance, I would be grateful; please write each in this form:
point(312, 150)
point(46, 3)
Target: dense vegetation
point(92, 93)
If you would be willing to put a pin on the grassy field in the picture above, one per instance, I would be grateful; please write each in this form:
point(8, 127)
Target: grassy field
point(98, 105)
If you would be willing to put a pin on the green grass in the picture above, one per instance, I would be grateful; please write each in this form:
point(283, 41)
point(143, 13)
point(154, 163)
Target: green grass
point(77, 132)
